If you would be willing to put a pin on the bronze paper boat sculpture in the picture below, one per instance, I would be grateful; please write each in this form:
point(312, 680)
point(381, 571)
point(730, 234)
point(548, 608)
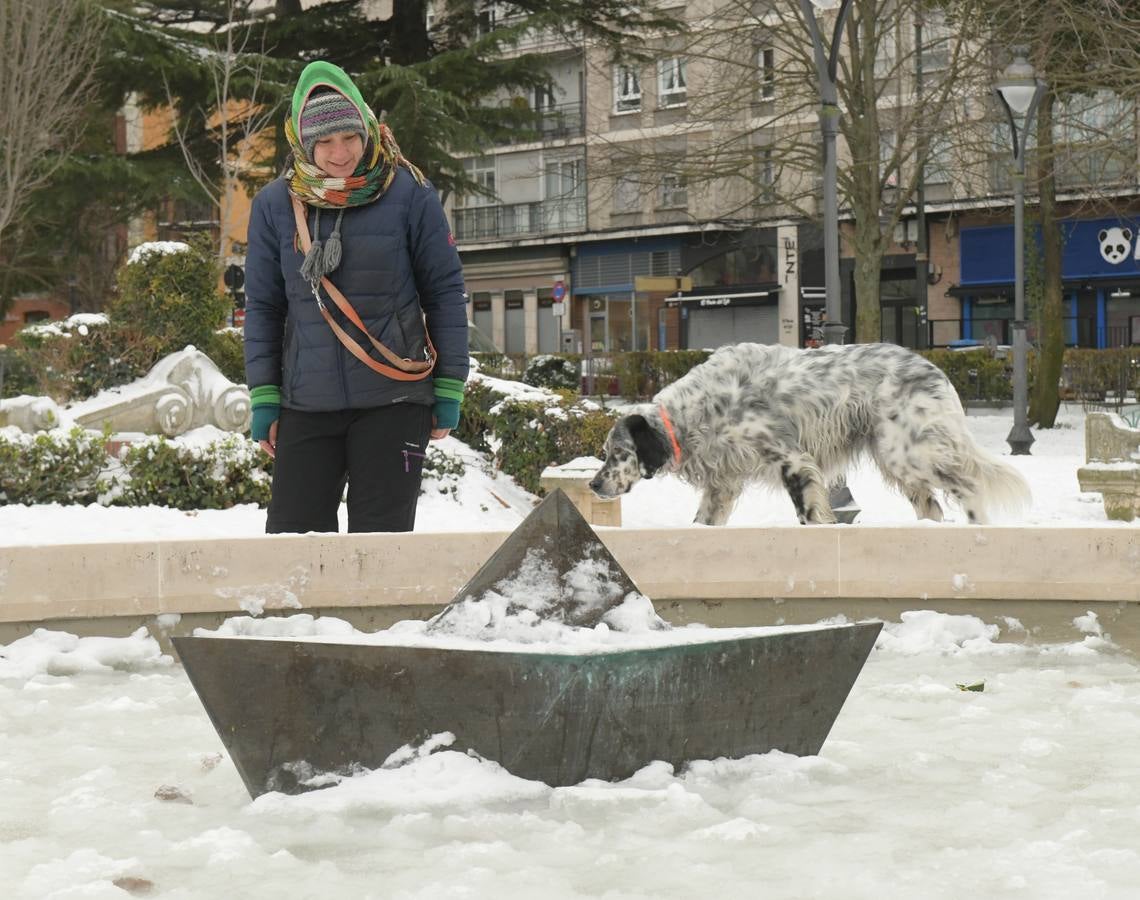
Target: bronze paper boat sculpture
point(286, 709)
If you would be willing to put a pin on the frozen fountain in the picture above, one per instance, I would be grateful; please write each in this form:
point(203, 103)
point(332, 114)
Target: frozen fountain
point(548, 661)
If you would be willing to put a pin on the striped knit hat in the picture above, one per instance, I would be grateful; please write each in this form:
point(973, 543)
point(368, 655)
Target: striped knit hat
point(327, 113)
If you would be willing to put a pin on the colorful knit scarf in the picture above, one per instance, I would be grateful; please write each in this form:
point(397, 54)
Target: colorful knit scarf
point(312, 186)
point(373, 176)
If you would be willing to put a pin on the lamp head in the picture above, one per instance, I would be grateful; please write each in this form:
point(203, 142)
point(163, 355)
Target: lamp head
point(1018, 83)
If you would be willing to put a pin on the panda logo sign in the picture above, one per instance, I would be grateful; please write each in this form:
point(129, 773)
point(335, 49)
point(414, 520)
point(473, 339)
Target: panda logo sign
point(1115, 243)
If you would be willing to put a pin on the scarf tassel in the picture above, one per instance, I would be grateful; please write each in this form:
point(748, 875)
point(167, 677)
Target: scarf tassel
point(333, 249)
point(323, 256)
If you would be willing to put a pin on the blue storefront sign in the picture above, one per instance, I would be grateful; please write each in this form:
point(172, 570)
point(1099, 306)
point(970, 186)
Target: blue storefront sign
point(1094, 248)
point(1099, 254)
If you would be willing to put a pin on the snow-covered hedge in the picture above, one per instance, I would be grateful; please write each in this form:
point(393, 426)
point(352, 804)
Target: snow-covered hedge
point(554, 372)
point(52, 466)
point(526, 432)
point(72, 467)
point(216, 475)
point(212, 472)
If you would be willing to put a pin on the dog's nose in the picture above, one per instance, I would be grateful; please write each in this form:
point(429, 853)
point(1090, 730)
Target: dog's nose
point(596, 484)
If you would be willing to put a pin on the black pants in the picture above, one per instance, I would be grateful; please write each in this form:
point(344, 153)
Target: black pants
point(379, 452)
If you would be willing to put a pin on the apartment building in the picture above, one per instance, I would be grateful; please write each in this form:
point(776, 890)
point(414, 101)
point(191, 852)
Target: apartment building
point(659, 262)
point(574, 246)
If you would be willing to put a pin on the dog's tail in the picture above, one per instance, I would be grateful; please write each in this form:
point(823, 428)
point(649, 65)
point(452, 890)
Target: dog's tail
point(1000, 487)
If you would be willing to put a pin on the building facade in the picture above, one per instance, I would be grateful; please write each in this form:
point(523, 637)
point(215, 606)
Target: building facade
point(660, 263)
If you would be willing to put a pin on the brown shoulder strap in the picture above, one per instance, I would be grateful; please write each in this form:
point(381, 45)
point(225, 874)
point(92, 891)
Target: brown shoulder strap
point(400, 369)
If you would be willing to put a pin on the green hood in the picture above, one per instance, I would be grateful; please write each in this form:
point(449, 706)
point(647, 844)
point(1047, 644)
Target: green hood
point(321, 73)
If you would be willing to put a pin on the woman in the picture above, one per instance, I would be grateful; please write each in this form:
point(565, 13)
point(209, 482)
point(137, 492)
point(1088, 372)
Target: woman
point(356, 321)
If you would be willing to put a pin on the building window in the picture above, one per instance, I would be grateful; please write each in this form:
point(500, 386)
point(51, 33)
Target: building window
point(765, 172)
point(627, 194)
point(886, 59)
point(564, 179)
point(564, 207)
point(1093, 135)
point(766, 72)
point(36, 315)
point(674, 192)
point(627, 90)
point(543, 98)
point(671, 87)
point(481, 170)
point(888, 161)
point(938, 161)
point(936, 41)
point(489, 16)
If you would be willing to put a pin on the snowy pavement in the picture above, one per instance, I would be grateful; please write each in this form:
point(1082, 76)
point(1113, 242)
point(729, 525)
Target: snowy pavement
point(487, 501)
point(115, 783)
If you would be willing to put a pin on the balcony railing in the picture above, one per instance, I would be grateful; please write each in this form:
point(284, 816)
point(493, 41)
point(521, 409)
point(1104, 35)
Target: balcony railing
point(553, 123)
point(481, 223)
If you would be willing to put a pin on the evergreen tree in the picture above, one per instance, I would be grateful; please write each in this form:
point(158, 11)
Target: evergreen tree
point(431, 86)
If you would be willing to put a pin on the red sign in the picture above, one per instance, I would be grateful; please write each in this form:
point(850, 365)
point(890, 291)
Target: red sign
point(559, 291)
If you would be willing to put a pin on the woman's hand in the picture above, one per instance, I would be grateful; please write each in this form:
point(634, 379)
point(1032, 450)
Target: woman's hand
point(270, 446)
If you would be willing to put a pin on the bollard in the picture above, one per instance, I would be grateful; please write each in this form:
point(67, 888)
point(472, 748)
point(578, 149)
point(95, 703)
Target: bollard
point(573, 478)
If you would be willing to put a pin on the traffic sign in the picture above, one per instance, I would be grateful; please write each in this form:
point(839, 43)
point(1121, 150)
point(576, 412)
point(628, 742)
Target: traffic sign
point(558, 308)
point(559, 291)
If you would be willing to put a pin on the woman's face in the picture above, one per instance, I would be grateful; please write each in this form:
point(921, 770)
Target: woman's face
point(339, 153)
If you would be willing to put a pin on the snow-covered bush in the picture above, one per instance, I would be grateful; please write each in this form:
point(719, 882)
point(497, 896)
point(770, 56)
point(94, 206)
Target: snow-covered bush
point(75, 358)
point(554, 372)
point(642, 373)
point(441, 472)
point(216, 475)
point(52, 466)
point(170, 293)
point(978, 374)
point(526, 436)
point(226, 350)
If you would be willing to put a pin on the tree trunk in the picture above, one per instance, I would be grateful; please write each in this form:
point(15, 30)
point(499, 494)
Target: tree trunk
point(868, 324)
point(1045, 399)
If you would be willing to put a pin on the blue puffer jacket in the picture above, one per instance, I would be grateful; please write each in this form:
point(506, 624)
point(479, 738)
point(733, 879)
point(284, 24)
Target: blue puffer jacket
point(398, 257)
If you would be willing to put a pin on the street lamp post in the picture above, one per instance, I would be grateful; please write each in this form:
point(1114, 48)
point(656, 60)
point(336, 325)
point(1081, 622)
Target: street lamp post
point(826, 61)
point(1019, 90)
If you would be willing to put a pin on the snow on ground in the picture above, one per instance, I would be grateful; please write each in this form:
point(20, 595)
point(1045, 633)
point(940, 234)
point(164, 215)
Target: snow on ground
point(487, 501)
point(114, 781)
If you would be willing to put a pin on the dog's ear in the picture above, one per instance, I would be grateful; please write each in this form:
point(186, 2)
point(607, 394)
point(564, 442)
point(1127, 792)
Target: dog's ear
point(651, 450)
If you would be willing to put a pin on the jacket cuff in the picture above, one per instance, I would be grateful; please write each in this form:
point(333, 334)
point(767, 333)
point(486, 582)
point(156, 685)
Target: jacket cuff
point(449, 389)
point(265, 395)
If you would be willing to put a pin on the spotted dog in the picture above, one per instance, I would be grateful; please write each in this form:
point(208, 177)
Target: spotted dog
point(798, 419)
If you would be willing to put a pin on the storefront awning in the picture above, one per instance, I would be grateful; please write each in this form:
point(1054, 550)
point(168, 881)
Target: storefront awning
point(999, 290)
point(753, 295)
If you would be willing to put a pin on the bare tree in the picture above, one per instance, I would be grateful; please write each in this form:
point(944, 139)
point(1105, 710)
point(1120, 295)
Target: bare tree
point(751, 125)
point(235, 122)
point(1088, 54)
point(48, 54)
